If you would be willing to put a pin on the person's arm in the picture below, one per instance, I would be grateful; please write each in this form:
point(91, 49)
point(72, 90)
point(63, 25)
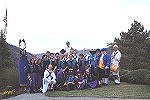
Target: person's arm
point(108, 61)
point(55, 69)
point(53, 75)
point(28, 71)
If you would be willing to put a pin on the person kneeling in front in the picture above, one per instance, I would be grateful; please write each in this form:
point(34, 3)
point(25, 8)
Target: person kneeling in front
point(49, 79)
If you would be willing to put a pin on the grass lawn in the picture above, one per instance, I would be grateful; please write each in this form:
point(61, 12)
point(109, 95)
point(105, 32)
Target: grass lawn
point(124, 90)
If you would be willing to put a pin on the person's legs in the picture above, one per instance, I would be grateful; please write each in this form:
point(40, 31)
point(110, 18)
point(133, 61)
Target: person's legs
point(100, 75)
point(52, 84)
point(116, 77)
point(45, 85)
point(106, 76)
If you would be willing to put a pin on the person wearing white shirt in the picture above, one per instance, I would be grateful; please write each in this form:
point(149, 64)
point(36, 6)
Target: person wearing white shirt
point(86, 55)
point(49, 78)
point(68, 48)
point(115, 59)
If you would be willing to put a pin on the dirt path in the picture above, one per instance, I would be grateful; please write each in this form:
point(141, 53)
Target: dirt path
point(40, 96)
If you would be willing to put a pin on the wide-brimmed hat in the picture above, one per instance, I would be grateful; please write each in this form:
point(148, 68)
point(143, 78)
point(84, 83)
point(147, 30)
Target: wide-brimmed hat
point(92, 51)
point(62, 51)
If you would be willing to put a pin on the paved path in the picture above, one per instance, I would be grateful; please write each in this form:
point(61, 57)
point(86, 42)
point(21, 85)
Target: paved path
point(40, 96)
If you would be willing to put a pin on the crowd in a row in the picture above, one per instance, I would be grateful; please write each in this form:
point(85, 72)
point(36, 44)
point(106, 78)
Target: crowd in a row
point(69, 70)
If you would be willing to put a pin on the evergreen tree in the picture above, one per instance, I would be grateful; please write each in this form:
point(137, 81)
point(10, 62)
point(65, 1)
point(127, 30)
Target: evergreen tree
point(135, 47)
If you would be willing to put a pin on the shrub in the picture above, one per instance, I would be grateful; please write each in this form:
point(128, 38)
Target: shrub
point(123, 72)
point(140, 76)
point(147, 79)
point(10, 77)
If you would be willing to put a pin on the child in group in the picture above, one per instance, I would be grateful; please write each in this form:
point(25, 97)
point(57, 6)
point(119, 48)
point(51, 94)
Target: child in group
point(49, 79)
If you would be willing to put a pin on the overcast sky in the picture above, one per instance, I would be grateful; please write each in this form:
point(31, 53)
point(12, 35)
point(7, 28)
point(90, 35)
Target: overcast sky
point(48, 24)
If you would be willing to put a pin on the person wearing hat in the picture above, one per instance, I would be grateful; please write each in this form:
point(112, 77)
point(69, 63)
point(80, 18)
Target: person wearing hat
point(115, 60)
point(104, 67)
point(92, 59)
point(62, 51)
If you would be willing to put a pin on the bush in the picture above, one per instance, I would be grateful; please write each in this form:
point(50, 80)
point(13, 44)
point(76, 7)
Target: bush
point(10, 77)
point(147, 79)
point(140, 76)
point(123, 72)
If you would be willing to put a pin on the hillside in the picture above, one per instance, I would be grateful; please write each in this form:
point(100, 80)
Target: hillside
point(15, 54)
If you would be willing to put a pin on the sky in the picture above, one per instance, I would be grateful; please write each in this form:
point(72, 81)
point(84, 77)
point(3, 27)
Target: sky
point(46, 25)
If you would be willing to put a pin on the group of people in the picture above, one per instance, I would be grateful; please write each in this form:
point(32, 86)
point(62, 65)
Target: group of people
point(69, 70)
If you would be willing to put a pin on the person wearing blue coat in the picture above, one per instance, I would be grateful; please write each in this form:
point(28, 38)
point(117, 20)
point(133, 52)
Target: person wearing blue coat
point(22, 72)
point(104, 71)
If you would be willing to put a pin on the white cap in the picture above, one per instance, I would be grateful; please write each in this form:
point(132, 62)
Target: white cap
point(115, 46)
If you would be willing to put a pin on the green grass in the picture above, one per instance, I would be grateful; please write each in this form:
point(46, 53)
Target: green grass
point(124, 90)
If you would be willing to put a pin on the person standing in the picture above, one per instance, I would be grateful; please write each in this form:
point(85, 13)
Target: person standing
point(72, 64)
point(32, 76)
point(86, 56)
point(104, 67)
point(45, 62)
point(92, 62)
point(38, 65)
point(115, 60)
point(68, 47)
point(22, 66)
point(81, 64)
